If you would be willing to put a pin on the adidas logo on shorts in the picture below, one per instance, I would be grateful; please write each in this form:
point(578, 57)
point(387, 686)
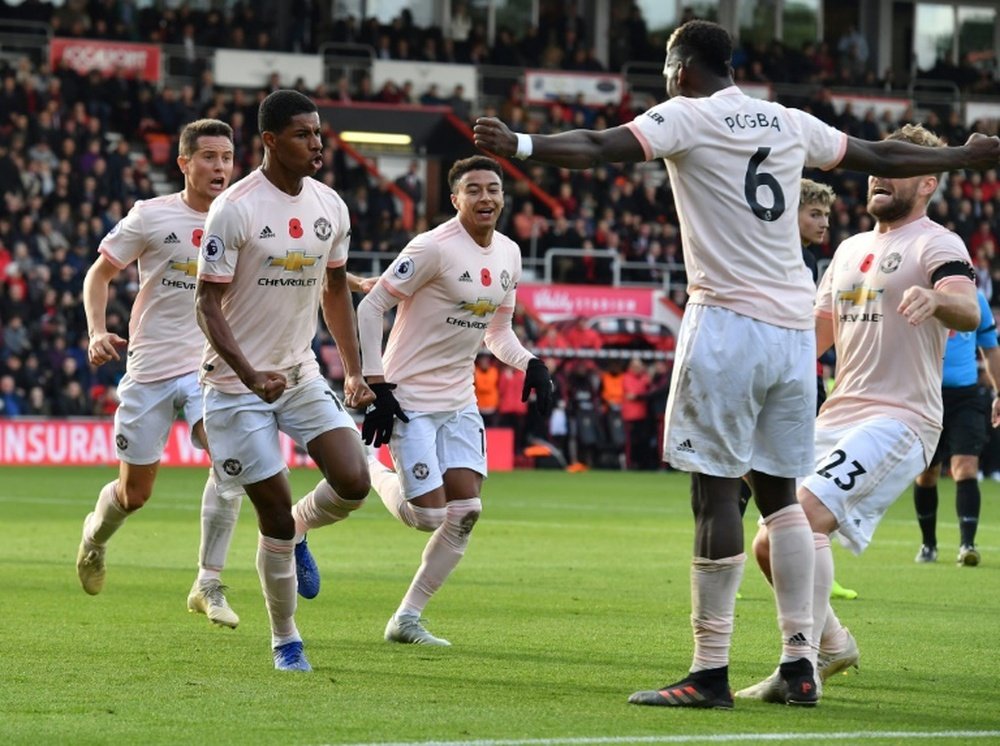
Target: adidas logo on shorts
point(172, 238)
point(686, 447)
point(266, 233)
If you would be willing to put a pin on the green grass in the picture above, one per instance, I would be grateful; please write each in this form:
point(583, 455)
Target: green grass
point(574, 593)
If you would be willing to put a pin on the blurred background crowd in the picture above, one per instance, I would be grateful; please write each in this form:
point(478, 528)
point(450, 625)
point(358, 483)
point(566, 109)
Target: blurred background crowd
point(77, 151)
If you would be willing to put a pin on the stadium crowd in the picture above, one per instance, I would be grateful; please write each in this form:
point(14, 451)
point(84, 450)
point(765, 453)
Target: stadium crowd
point(76, 151)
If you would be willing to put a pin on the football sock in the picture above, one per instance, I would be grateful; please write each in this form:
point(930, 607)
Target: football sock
point(925, 500)
point(442, 554)
point(276, 568)
point(321, 507)
point(108, 515)
point(793, 557)
point(834, 636)
point(713, 601)
point(218, 522)
point(967, 503)
point(823, 581)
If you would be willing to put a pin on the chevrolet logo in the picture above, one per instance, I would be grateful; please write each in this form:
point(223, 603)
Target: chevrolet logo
point(188, 267)
point(293, 261)
point(481, 307)
point(858, 295)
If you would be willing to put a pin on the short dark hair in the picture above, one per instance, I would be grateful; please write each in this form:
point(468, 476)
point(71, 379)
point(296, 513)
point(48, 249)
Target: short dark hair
point(473, 163)
point(707, 43)
point(276, 111)
point(188, 143)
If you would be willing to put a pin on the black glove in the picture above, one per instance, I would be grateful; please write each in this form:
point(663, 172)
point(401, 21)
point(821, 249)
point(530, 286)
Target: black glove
point(537, 379)
point(379, 417)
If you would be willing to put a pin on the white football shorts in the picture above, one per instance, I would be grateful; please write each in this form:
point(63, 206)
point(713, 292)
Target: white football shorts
point(243, 428)
point(742, 396)
point(860, 471)
point(424, 448)
point(146, 412)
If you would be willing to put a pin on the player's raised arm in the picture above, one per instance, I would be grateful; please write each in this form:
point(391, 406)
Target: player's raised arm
point(576, 149)
point(899, 159)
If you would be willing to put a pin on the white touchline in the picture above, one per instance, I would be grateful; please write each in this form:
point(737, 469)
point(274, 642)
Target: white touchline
point(719, 738)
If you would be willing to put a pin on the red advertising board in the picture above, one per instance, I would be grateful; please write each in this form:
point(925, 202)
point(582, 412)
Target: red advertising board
point(108, 57)
point(552, 302)
point(30, 442)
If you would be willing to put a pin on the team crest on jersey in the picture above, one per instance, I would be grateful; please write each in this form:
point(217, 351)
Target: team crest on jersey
point(213, 248)
point(404, 268)
point(323, 229)
point(121, 441)
point(420, 471)
point(505, 280)
point(232, 466)
point(890, 263)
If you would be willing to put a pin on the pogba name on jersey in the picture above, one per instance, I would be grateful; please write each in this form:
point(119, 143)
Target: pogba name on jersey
point(752, 121)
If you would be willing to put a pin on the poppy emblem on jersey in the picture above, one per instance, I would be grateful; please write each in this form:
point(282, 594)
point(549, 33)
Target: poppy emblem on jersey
point(859, 295)
point(484, 276)
point(293, 261)
point(404, 268)
point(213, 248)
point(505, 280)
point(232, 466)
point(295, 228)
point(188, 266)
point(323, 229)
point(890, 263)
point(420, 471)
point(480, 307)
point(196, 236)
point(121, 441)
point(866, 263)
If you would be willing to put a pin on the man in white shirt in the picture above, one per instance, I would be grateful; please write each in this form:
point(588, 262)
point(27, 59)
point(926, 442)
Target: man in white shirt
point(274, 251)
point(455, 288)
point(163, 236)
point(885, 303)
point(750, 310)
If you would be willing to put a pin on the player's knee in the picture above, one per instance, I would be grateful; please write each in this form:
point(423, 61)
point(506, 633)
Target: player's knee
point(426, 519)
point(354, 486)
point(133, 496)
point(463, 514)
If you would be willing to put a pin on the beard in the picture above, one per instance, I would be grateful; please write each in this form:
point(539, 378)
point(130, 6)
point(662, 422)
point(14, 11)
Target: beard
point(899, 206)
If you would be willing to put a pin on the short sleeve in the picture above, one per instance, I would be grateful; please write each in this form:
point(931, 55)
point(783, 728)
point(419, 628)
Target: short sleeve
point(825, 145)
point(417, 264)
point(944, 247)
point(126, 242)
point(986, 334)
point(342, 238)
point(225, 234)
point(661, 129)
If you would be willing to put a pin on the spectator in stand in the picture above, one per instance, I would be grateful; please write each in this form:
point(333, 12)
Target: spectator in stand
point(512, 410)
point(580, 336)
point(612, 386)
point(12, 404)
point(487, 379)
point(635, 414)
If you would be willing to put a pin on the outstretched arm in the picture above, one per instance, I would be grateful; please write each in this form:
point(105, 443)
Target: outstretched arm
point(576, 149)
point(898, 159)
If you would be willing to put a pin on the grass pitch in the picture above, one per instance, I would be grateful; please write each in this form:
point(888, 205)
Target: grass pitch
point(573, 594)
